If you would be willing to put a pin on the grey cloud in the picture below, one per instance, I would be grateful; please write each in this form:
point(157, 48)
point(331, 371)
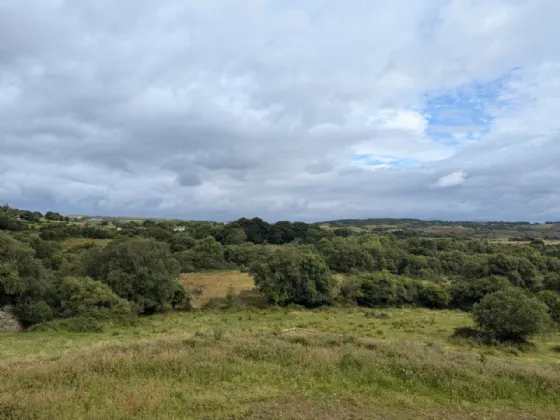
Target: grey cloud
point(227, 109)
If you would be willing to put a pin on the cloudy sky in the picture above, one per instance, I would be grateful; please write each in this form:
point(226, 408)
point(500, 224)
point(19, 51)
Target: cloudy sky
point(283, 109)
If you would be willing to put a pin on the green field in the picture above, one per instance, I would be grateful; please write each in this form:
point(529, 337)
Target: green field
point(285, 364)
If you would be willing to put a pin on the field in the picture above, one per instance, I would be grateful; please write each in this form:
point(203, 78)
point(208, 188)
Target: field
point(249, 363)
point(215, 285)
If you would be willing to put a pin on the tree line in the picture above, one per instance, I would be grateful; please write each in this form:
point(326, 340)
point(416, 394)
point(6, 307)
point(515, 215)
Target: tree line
point(135, 270)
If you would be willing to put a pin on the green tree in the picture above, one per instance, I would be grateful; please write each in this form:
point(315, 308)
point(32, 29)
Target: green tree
point(54, 216)
point(385, 289)
point(22, 276)
point(208, 254)
point(552, 301)
point(511, 315)
point(294, 275)
point(142, 271)
point(433, 295)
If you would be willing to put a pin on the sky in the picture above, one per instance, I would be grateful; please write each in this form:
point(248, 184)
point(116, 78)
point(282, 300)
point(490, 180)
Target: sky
point(286, 110)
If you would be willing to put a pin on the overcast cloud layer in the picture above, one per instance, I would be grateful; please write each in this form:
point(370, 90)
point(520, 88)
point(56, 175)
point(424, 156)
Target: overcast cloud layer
point(308, 110)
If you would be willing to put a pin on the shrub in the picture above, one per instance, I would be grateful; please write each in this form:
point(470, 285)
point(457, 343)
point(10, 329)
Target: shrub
point(511, 315)
point(85, 297)
point(22, 276)
point(552, 301)
point(139, 270)
point(294, 275)
point(433, 295)
point(466, 293)
point(208, 254)
point(181, 299)
point(33, 312)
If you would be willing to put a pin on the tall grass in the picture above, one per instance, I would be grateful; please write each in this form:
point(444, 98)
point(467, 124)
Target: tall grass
point(267, 365)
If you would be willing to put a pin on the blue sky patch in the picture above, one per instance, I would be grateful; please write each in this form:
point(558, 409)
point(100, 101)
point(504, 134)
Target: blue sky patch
point(384, 161)
point(464, 113)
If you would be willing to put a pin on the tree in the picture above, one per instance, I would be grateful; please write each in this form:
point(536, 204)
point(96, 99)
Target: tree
point(346, 254)
point(552, 301)
point(468, 292)
point(208, 254)
point(22, 276)
point(433, 295)
point(234, 236)
point(294, 275)
point(54, 216)
point(139, 270)
point(385, 289)
point(511, 315)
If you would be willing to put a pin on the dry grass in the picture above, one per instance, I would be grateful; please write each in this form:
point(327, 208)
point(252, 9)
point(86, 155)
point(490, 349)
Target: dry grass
point(215, 285)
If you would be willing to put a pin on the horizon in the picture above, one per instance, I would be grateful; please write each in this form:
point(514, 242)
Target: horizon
point(443, 110)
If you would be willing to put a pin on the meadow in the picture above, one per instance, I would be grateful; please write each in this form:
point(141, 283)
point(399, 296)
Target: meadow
point(276, 363)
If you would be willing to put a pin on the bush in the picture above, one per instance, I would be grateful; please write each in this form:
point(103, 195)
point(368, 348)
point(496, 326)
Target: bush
point(22, 277)
point(85, 297)
point(385, 289)
point(511, 315)
point(181, 299)
point(466, 293)
point(33, 312)
point(142, 271)
point(552, 301)
point(433, 295)
point(294, 275)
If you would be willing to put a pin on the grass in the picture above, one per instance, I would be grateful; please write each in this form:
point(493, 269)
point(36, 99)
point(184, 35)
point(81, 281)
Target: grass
point(215, 285)
point(335, 363)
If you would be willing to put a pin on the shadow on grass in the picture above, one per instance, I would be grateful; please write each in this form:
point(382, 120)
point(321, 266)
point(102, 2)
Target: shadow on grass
point(486, 338)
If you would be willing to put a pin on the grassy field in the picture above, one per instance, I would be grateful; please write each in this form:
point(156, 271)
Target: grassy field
point(276, 364)
point(215, 285)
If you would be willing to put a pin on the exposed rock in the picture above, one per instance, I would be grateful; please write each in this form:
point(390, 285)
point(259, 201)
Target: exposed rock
point(8, 321)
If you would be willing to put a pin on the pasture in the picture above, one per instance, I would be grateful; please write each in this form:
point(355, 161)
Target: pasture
point(250, 363)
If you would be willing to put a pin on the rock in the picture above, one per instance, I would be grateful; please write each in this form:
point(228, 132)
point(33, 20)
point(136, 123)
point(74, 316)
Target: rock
point(8, 321)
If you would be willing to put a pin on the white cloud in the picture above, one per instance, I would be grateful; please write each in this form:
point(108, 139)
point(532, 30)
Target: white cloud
point(451, 180)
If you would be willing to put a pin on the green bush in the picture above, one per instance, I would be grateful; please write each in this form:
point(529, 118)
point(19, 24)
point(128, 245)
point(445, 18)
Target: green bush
point(552, 301)
point(468, 292)
point(22, 276)
point(142, 271)
point(511, 315)
point(181, 299)
point(385, 289)
point(294, 275)
point(85, 297)
point(433, 295)
point(33, 312)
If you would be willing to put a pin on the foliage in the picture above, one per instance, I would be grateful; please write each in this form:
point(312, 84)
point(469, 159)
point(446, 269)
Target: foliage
point(385, 289)
point(511, 315)
point(552, 301)
point(433, 295)
point(292, 275)
point(32, 312)
point(139, 270)
point(22, 276)
point(466, 293)
point(85, 297)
